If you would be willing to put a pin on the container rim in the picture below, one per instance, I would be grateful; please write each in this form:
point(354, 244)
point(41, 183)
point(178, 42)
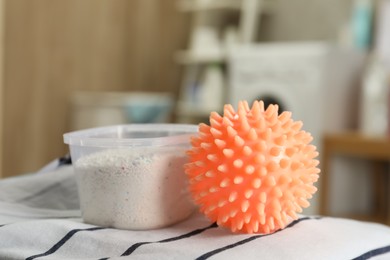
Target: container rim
point(90, 137)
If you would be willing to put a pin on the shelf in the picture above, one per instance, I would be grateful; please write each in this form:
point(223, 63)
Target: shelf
point(190, 57)
point(199, 5)
point(212, 15)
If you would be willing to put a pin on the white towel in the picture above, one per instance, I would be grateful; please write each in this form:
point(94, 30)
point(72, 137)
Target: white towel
point(40, 219)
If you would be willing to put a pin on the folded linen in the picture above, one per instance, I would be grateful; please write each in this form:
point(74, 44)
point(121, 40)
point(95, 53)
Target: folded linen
point(40, 219)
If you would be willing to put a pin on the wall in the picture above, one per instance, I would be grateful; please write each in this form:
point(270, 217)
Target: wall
point(55, 47)
point(297, 20)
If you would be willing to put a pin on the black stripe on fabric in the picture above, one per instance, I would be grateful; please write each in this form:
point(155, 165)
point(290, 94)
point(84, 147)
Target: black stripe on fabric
point(66, 160)
point(62, 242)
point(249, 239)
point(374, 252)
point(131, 249)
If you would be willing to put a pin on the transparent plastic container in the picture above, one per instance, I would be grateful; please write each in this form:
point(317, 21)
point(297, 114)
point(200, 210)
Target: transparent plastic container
point(132, 176)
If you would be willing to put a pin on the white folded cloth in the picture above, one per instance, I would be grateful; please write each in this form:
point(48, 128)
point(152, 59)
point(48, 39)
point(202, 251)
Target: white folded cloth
point(40, 219)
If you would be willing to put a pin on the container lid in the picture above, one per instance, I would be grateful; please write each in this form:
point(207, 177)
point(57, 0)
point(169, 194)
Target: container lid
point(132, 135)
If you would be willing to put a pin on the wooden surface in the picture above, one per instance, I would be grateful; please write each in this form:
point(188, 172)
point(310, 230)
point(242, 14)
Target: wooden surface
point(55, 47)
point(374, 149)
point(359, 145)
point(1, 80)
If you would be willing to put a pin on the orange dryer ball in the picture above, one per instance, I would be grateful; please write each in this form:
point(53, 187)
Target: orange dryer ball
point(252, 170)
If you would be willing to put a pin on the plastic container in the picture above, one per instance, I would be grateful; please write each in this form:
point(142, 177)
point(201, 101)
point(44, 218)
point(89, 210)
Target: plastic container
point(132, 176)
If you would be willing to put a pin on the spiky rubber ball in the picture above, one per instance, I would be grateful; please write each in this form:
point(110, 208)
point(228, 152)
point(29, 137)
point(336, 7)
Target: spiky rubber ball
point(252, 170)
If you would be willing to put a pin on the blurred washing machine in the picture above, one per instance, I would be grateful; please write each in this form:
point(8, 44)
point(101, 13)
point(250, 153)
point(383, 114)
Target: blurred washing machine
point(316, 81)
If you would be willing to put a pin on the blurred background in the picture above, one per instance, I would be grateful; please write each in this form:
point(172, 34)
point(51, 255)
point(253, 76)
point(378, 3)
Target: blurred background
point(69, 65)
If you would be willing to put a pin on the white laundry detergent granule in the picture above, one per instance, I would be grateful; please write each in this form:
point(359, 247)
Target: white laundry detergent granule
point(134, 188)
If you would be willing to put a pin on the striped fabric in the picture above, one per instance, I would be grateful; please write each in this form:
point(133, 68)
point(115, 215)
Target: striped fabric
point(40, 219)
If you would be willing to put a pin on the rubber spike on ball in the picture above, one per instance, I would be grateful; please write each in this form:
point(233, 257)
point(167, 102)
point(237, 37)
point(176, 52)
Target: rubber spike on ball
point(252, 170)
